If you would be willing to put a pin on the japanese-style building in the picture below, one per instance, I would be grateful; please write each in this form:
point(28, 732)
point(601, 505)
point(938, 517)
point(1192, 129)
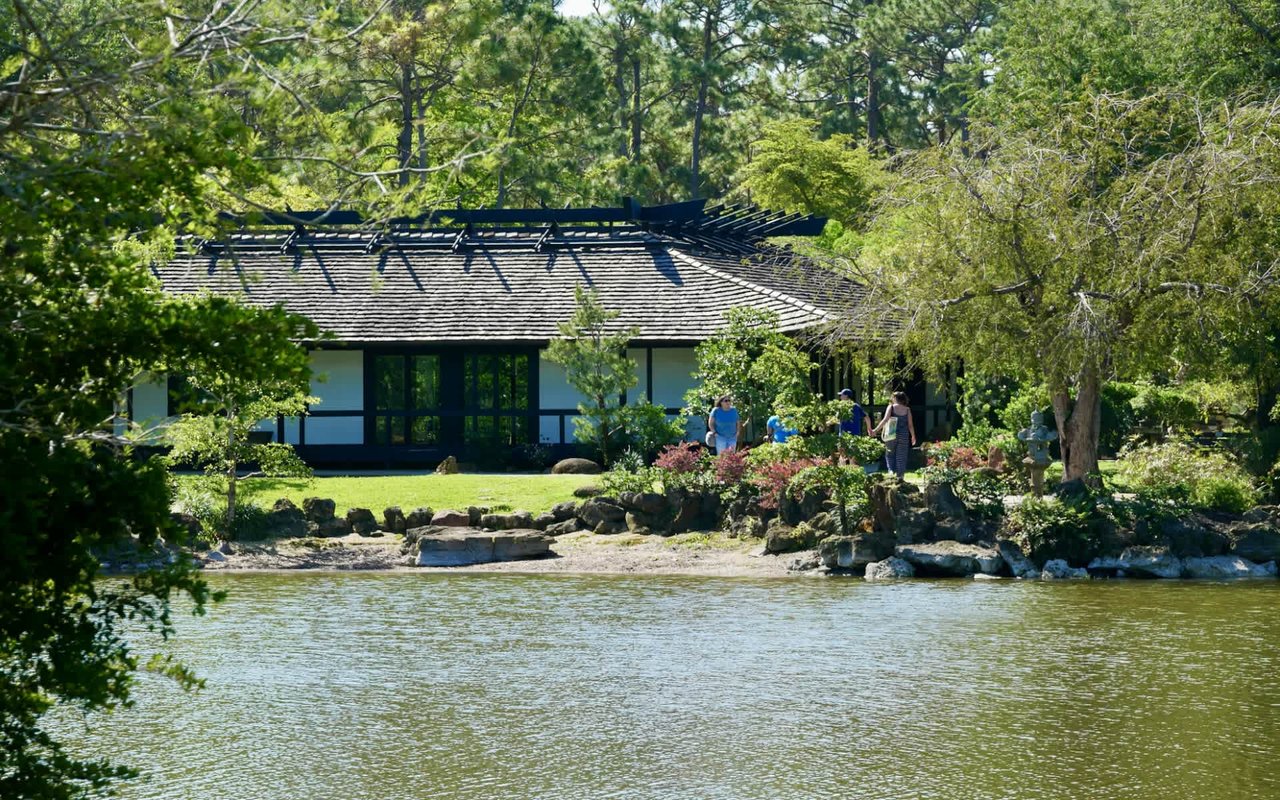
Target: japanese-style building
point(439, 323)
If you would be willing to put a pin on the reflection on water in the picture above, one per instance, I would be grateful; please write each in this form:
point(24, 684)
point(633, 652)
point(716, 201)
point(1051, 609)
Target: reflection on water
point(481, 686)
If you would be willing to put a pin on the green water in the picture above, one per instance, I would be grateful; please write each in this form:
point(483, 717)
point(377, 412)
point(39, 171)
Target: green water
point(480, 686)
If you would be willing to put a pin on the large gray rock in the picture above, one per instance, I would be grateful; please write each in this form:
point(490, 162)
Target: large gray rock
point(889, 499)
point(950, 559)
point(285, 520)
point(1258, 542)
point(913, 526)
point(576, 466)
point(544, 520)
point(330, 528)
point(1056, 569)
point(457, 547)
point(1225, 567)
point(418, 517)
point(572, 525)
point(1190, 538)
point(1140, 561)
point(563, 511)
point(362, 521)
point(889, 569)
point(783, 538)
point(1016, 560)
point(318, 509)
point(448, 467)
point(599, 510)
point(507, 522)
point(942, 501)
point(956, 529)
point(1269, 514)
point(394, 520)
point(645, 502)
point(451, 518)
point(854, 552)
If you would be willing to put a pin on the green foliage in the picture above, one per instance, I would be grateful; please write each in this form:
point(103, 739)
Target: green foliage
point(647, 429)
point(751, 360)
point(1047, 529)
point(629, 474)
point(794, 171)
point(845, 485)
point(980, 436)
point(982, 493)
point(592, 352)
point(1180, 473)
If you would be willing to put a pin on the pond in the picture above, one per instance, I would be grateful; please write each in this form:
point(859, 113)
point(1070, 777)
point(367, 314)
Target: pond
point(342, 686)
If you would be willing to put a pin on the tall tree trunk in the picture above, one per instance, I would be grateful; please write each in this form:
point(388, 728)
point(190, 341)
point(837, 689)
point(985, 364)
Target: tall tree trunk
point(422, 135)
point(873, 101)
point(700, 110)
point(620, 87)
point(231, 480)
point(636, 112)
point(1079, 424)
point(404, 141)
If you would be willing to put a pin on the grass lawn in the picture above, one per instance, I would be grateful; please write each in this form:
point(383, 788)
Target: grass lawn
point(534, 493)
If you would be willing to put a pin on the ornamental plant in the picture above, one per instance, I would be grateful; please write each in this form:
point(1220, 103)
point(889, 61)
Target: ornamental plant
point(846, 485)
point(773, 478)
point(730, 467)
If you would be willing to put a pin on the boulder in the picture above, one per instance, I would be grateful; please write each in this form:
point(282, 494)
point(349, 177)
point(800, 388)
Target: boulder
point(956, 529)
point(783, 538)
point(1225, 567)
point(361, 521)
point(226, 548)
point(214, 555)
point(452, 547)
point(995, 458)
point(1255, 541)
point(544, 520)
point(827, 523)
point(1058, 570)
point(418, 517)
point(285, 520)
point(1073, 491)
point(1269, 514)
point(412, 535)
point(451, 518)
point(855, 552)
point(950, 559)
point(645, 502)
point(913, 526)
point(744, 528)
point(563, 511)
point(318, 509)
point(474, 513)
point(1190, 538)
point(1016, 560)
point(1140, 561)
point(590, 490)
point(942, 501)
point(889, 569)
point(448, 467)
point(571, 525)
point(394, 520)
point(329, 528)
point(601, 509)
point(576, 466)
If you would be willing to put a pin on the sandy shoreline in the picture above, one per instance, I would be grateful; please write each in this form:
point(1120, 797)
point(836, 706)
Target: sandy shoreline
point(628, 554)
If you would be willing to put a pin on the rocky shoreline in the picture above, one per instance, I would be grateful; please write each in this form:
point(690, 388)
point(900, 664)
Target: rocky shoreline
point(911, 533)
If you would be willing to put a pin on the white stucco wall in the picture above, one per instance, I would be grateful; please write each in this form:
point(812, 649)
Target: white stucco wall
point(672, 375)
point(338, 380)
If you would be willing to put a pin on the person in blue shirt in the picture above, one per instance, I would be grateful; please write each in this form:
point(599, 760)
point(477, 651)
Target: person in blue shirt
point(722, 422)
point(858, 424)
point(777, 431)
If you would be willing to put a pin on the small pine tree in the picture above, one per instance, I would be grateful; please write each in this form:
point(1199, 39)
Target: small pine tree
point(593, 353)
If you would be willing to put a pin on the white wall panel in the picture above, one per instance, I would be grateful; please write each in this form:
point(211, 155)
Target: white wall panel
point(335, 430)
point(672, 375)
point(338, 380)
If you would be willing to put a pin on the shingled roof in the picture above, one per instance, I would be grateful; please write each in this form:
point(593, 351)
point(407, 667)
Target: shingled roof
point(462, 285)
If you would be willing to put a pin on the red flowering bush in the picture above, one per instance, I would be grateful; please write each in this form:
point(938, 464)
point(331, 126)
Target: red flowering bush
point(680, 458)
point(773, 478)
point(731, 467)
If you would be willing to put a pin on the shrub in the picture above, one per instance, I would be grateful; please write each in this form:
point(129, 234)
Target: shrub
point(647, 430)
point(730, 467)
point(979, 435)
point(680, 458)
point(847, 487)
point(1177, 472)
point(773, 478)
point(947, 462)
point(628, 474)
point(982, 493)
point(1047, 529)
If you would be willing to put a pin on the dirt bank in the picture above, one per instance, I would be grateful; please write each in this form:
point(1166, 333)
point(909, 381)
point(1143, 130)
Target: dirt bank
point(685, 554)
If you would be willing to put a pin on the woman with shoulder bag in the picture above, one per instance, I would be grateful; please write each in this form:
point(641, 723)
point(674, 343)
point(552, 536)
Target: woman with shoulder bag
point(898, 432)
